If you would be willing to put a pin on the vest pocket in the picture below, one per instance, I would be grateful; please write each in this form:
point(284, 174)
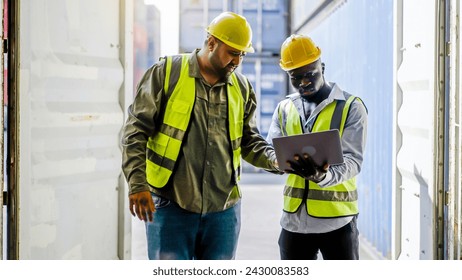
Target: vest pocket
point(158, 144)
point(177, 115)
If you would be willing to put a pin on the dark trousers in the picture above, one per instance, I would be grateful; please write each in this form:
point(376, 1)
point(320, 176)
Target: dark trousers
point(340, 244)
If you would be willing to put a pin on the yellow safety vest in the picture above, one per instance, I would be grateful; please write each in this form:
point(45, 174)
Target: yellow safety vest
point(334, 201)
point(164, 147)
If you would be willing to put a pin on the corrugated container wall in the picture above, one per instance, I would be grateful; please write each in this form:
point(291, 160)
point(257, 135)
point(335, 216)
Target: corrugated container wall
point(356, 39)
point(269, 22)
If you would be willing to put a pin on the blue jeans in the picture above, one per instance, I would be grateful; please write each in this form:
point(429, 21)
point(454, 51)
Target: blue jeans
point(177, 234)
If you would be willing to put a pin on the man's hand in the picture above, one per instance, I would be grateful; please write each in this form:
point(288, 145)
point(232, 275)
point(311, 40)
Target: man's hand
point(141, 203)
point(305, 167)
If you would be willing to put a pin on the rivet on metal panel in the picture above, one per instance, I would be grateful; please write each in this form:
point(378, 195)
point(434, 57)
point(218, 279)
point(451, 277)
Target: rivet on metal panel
point(416, 194)
point(418, 45)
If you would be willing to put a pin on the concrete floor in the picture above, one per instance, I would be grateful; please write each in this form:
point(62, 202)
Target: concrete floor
point(260, 214)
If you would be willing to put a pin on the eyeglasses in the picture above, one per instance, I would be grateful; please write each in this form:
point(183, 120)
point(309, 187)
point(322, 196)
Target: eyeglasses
point(307, 75)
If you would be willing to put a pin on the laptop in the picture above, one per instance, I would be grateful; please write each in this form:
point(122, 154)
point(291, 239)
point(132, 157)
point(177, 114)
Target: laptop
point(324, 146)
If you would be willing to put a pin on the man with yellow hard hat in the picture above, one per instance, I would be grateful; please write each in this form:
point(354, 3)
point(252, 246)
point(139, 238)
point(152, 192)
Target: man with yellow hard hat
point(320, 202)
point(191, 121)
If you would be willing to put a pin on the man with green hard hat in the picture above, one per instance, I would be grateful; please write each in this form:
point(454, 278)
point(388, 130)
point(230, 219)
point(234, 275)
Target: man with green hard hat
point(192, 120)
point(320, 202)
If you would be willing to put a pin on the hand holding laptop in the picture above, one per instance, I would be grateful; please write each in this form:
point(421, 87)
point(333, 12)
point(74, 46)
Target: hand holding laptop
point(305, 167)
point(309, 155)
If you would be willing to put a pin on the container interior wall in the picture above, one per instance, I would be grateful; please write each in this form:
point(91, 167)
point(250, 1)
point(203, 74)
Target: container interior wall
point(357, 47)
point(70, 118)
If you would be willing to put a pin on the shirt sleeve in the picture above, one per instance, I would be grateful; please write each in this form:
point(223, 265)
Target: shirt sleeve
point(353, 145)
point(139, 126)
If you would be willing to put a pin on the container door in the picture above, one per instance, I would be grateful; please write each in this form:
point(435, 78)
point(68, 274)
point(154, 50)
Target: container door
point(417, 95)
point(70, 78)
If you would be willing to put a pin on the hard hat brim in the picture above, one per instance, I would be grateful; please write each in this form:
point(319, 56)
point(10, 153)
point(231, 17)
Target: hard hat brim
point(248, 49)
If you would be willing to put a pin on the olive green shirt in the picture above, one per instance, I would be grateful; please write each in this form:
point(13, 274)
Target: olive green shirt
point(202, 180)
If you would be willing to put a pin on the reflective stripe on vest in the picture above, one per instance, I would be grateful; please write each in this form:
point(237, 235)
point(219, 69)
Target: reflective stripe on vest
point(334, 201)
point(164, 147)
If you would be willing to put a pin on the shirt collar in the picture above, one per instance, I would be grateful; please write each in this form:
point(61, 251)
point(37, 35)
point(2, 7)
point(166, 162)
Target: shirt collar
point(336, 93)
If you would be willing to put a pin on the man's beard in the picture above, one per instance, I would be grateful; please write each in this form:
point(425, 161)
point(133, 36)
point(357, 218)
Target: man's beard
point(314, 95)
point(226, 71)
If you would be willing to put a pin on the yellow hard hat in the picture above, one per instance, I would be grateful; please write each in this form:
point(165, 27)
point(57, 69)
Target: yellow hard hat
point(233, 30)
point(297, 51)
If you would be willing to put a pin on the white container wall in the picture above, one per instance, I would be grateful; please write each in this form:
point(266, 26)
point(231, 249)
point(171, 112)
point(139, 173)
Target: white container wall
point(453, 245)
point(70, 77)
point(417, 124)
